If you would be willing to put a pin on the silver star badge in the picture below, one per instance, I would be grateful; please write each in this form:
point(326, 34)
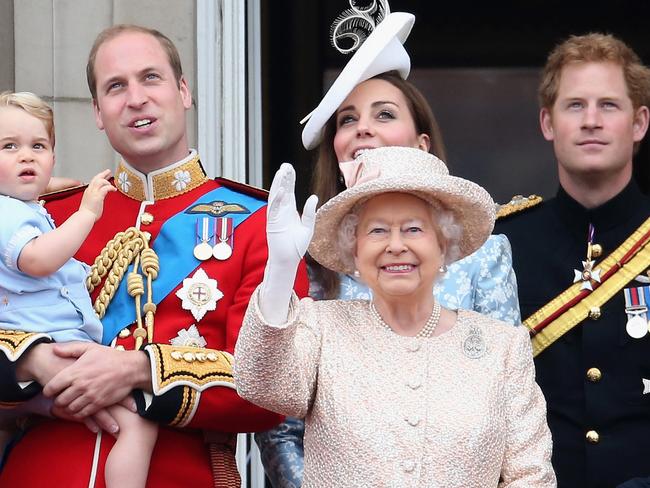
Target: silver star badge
point(586, 275)
point(646, 386)
point(199, 294)
point(189, 338)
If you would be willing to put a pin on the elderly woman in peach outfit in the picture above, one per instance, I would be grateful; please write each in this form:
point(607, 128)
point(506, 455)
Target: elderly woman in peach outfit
point(395, 391)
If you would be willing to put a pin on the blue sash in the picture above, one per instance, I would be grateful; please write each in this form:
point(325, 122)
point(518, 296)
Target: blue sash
point(173, 245)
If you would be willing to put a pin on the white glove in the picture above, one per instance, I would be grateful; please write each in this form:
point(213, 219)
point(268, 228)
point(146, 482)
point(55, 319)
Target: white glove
point(288, 236)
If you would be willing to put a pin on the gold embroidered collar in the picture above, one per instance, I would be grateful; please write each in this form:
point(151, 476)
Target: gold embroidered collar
point(167, 182)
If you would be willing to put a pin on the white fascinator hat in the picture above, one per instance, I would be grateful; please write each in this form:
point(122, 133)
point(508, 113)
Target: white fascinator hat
point(376, 53)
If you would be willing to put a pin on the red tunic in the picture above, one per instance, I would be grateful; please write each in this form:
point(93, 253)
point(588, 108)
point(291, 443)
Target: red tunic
point(60, 453)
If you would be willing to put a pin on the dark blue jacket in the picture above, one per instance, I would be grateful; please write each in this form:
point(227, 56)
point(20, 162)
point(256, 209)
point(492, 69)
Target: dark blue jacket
point(548, 242)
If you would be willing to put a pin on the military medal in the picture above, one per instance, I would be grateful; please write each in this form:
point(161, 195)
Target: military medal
point(204, 236)
point(588, 272)
point(199, 294)
point(474, 345)
point(223, 249)
point(636, 309)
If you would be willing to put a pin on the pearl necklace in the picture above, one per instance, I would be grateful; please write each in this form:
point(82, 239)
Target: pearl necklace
point(427, 330)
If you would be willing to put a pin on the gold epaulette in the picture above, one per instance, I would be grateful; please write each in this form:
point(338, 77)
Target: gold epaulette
point(196, 367)
point(517, 204)
point(13, 343)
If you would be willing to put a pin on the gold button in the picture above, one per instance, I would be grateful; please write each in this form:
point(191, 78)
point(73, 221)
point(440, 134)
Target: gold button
point(596, 251)
point(176, 355)
point(146, 218)
point(594, 375)
point(594, 313)
point(592, 437)
point(124, 333)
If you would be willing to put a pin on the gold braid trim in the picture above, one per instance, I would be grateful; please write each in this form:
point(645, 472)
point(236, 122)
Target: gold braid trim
point(625, 273)
point(13, 343)
point(517, 204)
point(196, 367)
point(187, 408)
point(130, 246)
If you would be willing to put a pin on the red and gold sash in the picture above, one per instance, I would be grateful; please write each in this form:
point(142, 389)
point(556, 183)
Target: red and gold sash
point(573, 305)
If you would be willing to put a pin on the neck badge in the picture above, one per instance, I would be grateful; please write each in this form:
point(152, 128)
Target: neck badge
point(199, 294)
point(588, 272)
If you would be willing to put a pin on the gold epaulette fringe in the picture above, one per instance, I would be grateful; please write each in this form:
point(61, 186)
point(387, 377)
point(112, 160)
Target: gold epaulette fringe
point(517, 204)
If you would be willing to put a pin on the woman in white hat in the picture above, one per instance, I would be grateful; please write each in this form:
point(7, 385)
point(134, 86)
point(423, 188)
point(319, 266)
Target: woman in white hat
point(396, 390)
point(372, 105)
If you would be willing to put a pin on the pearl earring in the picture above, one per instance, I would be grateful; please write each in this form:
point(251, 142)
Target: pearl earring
point(443, 268)
point(356, 273)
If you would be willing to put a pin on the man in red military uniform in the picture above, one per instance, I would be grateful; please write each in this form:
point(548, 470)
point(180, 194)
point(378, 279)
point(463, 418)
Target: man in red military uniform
point(179, 256)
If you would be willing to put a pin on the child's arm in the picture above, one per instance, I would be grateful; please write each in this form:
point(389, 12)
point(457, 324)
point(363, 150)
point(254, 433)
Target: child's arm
point(46, 253)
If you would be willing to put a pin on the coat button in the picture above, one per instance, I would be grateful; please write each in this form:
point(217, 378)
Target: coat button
point(146, 218)
point(413, 346)
point(594, 375)
point(124, 333)
point(594, 313)
point(412, 421)
point(592, 437)
point(64, 291)
point(414, 384)
point(408, 466)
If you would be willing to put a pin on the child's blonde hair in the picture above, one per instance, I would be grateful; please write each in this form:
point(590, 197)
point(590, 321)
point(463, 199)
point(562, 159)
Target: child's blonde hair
point(33, 105)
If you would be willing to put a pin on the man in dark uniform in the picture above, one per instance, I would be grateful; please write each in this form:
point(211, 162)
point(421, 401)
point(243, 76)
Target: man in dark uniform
point(580, 260)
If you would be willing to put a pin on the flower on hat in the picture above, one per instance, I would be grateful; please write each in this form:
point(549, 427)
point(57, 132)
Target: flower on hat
point(356, 172)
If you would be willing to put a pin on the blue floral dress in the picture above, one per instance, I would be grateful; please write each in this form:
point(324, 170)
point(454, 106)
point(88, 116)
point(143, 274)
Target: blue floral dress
point(484, 282)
